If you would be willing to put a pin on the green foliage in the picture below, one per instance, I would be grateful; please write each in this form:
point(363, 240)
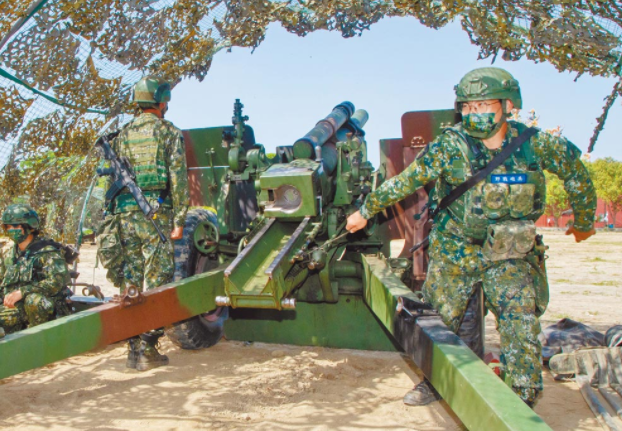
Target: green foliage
point(52, 170)
point(556, 197)
point(606, 175)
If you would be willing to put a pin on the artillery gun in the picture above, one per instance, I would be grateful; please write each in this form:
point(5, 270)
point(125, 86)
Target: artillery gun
point(265, 257)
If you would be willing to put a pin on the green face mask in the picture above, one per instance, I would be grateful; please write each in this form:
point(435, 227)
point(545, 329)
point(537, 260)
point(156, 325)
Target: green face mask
point(17, 235)
point(481, 126)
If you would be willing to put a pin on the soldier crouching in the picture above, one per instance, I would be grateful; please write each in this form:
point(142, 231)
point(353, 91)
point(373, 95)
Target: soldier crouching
point(34, 273)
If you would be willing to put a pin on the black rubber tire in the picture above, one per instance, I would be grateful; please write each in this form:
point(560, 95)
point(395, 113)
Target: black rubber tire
point(200, 331)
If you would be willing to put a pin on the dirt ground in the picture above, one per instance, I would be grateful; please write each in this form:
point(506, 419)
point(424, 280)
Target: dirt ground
point(275, 387)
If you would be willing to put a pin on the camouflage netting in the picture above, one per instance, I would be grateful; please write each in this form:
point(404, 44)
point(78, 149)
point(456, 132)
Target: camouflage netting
point(67, 66)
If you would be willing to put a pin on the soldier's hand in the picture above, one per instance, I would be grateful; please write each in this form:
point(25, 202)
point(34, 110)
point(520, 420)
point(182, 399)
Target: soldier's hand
point(177, 233)
point(12, 298)
point(356, 222)
point(578, 235)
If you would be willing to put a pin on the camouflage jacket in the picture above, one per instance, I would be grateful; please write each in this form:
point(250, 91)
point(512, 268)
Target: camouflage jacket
point(438, 159)
point(156, 151)
point(43, 271)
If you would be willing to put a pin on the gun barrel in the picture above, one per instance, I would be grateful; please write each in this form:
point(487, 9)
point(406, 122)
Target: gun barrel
point(304, 148)
point(359, 118)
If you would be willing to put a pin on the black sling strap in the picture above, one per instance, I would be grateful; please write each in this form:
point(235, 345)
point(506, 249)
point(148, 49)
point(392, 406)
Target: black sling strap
point(514, 144)
point(69, 253)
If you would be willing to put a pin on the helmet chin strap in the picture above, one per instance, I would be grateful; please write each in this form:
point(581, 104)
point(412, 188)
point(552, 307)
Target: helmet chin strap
point(504, 118)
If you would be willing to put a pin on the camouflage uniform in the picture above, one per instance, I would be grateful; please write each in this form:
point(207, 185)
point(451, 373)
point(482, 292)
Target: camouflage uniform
point(156, 151)
point(460, 241)
point(41, 276)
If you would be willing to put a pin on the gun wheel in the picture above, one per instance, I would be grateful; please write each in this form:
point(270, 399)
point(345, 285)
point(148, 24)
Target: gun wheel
point(207, 329)
point(206, 237)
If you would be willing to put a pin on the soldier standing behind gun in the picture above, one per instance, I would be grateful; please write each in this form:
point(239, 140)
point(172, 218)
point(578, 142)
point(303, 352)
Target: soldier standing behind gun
point(155, 149)
point(33, 271)
point(488, 234)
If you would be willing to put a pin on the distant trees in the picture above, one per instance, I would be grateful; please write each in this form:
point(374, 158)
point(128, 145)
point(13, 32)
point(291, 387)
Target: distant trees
point(607, 177)
point(556, 197)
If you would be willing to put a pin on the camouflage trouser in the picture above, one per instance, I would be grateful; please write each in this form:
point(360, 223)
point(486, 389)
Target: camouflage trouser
point(147, 260)
point(510, 296)
point(33, 310)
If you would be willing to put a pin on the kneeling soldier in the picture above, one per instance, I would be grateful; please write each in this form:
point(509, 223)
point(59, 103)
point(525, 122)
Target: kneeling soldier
point(33, 271)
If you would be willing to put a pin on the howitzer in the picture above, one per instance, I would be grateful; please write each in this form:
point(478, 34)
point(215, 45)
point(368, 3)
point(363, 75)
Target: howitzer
point(265, 245)
point(123, 176)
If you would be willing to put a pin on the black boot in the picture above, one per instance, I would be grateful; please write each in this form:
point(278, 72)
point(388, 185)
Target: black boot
point(132, 352)
point(148, 355)
point(421, 395)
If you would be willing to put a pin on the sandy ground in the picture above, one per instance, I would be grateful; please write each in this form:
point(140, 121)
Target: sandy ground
point(274, 387)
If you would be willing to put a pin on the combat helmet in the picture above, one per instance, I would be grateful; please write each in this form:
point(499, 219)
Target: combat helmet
point(487, 83)
point(150, 90)
point(20, 214)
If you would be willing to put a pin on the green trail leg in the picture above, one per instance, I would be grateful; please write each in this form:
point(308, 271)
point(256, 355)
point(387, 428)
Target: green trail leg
point(109, 323)
point(478, 397)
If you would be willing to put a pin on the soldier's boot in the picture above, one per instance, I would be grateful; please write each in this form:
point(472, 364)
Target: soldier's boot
point(528, 395)
point(132, 352)
point(148, 355)
point(421, 395)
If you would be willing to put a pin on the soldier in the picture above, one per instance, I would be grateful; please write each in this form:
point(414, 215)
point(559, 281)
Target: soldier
point(155, 149)
point(488, 235)
point(34, 273)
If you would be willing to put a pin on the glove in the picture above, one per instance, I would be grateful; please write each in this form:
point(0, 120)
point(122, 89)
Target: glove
point(579, 235)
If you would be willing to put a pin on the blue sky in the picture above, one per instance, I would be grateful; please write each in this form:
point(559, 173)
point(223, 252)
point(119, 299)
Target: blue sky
point(289, 83)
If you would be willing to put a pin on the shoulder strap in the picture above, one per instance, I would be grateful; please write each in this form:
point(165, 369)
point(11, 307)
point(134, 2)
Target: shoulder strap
point(480, 175)
point(69, 253)
point(41, 244)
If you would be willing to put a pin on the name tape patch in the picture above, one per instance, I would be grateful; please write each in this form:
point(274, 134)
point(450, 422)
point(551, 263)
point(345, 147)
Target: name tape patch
point(509, 179)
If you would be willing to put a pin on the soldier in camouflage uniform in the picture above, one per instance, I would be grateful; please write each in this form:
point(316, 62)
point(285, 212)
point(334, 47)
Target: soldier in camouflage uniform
point(155, 150)
point(488, 235)
point(33, 271)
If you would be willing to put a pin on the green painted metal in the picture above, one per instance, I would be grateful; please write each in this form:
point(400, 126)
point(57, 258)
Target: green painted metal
point(213, 184)
point(479, 397)
point(197, 293)
point(109, 323)
point(347, 324)
point(256, 278)
point(50, 342)
point(324, 130)
point(382, 290)
point(288, 190)
point(199, 141)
